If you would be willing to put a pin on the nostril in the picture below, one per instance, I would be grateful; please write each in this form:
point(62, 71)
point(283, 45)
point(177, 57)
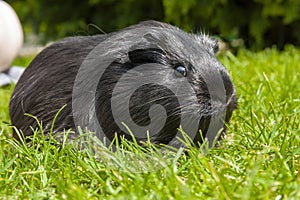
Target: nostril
point(229, 88)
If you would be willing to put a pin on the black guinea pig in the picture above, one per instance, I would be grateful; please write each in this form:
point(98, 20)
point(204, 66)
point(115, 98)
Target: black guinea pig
point(151, 78)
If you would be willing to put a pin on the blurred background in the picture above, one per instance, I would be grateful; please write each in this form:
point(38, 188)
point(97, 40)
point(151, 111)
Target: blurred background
point(254, 24)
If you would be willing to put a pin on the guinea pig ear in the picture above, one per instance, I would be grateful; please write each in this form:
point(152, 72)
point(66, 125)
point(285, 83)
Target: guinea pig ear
point(151, 55)
point(215, 45)
point(211, 44)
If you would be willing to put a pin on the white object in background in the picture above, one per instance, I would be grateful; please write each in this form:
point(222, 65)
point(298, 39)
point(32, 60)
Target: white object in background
point(4, 79)
point(15, 73)
point(11, 35)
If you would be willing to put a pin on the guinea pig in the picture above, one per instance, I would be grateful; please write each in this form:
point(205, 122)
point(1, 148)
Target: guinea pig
point(147, 80)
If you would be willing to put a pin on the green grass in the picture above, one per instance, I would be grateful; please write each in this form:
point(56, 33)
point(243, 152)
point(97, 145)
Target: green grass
point(258, 159)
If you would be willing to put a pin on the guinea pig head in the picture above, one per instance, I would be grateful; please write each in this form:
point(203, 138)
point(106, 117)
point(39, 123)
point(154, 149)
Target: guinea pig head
point(155, 78)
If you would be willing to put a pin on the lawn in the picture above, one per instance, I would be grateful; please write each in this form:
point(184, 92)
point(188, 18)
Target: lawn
point(258, 159)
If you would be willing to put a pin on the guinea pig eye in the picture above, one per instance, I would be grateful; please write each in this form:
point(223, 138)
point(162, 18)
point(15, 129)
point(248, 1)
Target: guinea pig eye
point(180, 71)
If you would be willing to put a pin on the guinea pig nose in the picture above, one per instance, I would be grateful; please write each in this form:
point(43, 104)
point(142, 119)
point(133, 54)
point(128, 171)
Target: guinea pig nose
point(229, 88)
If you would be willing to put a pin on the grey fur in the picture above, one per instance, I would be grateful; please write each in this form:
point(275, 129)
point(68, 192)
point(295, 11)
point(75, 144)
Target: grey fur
point(47, 84)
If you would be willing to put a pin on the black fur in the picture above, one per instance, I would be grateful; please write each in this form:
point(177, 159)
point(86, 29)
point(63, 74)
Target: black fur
point(47, 84)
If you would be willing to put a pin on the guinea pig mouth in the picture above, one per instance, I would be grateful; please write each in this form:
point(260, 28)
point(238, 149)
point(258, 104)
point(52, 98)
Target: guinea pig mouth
point(203, 127)
point(209, 120)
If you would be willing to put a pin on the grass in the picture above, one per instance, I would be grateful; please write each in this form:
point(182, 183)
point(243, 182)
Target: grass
point(258, 159)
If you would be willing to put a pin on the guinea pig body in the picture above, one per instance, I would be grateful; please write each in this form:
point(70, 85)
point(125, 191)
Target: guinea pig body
point(150, 76)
